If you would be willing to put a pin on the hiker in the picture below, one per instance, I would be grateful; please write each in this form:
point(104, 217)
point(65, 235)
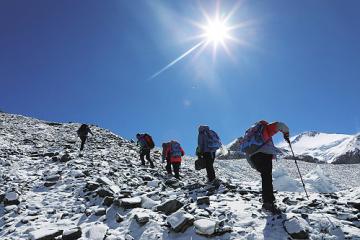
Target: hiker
point(173, 154)
point(259, 148)
point(83, 132)
point(208, 143)
point(146, 144)
point(166, 157)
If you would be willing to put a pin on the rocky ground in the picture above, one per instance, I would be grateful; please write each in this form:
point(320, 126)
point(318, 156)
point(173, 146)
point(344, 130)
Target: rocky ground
point(50, 191)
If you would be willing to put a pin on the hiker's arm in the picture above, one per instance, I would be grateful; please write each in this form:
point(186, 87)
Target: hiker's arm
point(273, 128)
point(182, 151)
point(167, 150)
point(200, 143)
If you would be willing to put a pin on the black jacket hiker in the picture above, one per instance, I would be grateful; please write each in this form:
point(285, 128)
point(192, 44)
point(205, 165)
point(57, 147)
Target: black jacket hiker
point(83, 132)
point(144, 149)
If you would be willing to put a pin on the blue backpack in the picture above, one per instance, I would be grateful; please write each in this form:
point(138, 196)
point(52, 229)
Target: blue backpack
point(175, 150)
point(213, 140)
point(253, 139)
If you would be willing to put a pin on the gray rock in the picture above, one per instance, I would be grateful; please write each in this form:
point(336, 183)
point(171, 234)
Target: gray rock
point(97, 232)
point(108, 201)
point(128, 203)
point(100, 211)
point(205, 226)
point(45, 234)
point(203, 200)
point(104, 181)
point(65, 158)
point(53, 178)
point(355, 204)
point(119, 217)
point(103, 192)
point(91, 186)
point(297, 228)
point(170, 206)
point(126, 193)
point(174, 183)
point(50, 154)
point(2, 197)
point(142, 217)
point(180, 221)
point(146, 178)
point(49, 184)
point(11, 198)
point(72, 233)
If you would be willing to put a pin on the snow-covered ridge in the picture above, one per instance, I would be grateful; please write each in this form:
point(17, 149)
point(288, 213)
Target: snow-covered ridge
point(312, 146)
point(325, 147)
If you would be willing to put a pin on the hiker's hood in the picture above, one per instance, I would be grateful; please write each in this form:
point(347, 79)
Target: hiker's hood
point(203, 128)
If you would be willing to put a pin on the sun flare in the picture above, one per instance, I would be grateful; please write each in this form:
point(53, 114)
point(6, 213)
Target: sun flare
point(216, 31)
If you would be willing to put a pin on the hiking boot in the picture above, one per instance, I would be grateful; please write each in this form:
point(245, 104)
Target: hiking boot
point(215, 183)
point(271, 207)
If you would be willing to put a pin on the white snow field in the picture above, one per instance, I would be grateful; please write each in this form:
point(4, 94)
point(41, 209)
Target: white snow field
point(311, 147)
point(326, 147)
point(49, 191)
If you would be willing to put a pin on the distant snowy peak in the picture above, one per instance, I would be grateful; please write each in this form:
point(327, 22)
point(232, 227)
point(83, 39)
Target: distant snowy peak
point(311, 146)
point(305, 134)
point(325, 147)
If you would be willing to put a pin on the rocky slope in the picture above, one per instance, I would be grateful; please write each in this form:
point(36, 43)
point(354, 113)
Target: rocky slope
point(49, 191)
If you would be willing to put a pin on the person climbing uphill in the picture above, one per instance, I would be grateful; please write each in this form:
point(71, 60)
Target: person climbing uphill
point(259, 148)
point(146, 143)
point(82, 133)
point(208, 143)
point(173, 153)
point(166, 157)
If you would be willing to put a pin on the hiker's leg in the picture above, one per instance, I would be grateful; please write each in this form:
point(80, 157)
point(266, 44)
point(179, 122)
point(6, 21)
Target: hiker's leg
point(168, 166)
point(148, 158)
point(176, 167)
point(266, 176)
point(263, 164)
point(209, 165)
point(142, 154)
point(83, 140)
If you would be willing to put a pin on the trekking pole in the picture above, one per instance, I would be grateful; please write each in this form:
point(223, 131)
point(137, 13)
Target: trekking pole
point(298, 170)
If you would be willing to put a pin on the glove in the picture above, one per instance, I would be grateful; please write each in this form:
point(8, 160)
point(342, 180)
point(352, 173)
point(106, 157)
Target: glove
point(282, 127)
point(286, 137)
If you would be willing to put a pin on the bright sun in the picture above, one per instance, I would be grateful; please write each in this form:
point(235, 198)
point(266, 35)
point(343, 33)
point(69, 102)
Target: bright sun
point(216, 31)
point(219, 30)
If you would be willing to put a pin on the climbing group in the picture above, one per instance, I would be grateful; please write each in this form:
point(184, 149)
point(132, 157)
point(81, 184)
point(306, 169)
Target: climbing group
point(256, 144)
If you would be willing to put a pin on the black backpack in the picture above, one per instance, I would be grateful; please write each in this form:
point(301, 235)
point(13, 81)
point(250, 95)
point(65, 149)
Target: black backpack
point(83, 129)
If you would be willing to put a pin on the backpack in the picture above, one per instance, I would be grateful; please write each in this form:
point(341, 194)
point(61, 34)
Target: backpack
point(149, 141)
point(82, 130)
point(213, 141)
point(175, 149)
point(200, 164)
point(253, 139)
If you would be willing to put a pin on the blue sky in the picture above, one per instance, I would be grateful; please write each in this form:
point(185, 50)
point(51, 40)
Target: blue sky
point(90, 61)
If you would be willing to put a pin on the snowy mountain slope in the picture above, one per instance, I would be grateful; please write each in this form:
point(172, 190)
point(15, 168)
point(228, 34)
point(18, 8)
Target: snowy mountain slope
point(231, 151)
point(49, 191)
point(312, 147)
point(324, 147)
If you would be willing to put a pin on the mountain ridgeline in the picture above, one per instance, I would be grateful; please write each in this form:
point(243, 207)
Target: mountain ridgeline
point(311, 146)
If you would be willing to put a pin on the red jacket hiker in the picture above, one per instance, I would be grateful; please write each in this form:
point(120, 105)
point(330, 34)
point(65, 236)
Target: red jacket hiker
point(173, 159)
point(271, 129)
